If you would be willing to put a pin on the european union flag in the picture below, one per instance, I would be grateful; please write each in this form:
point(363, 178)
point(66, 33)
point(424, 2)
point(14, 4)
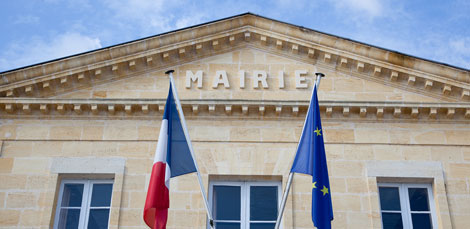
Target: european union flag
point(310, 159)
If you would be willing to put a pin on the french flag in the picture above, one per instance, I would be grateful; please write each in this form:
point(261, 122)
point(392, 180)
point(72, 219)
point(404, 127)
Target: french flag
point(172, 158)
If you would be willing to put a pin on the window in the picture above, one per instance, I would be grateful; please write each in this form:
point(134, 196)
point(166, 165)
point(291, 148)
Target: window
point(83, 204)
point(245, 205)
point(407, 206)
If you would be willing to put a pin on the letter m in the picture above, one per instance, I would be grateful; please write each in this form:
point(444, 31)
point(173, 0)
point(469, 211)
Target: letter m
point(190, 77)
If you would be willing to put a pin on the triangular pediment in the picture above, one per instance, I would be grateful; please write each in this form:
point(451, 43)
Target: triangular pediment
point(282, 74)
point(356, 72)
point(186, 45)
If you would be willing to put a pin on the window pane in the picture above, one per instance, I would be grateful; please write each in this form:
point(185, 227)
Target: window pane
point(98, 219)
point(227, 202)
point(421, 221)
point(389, 198)
point(263, 203)
point(227, 225)
point(101, 196)
point(418, 199)
point(72, 195)
point(68, 218)
point(262, 225)
point(392, 221)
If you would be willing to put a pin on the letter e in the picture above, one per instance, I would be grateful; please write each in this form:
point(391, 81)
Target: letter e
point(300, 79)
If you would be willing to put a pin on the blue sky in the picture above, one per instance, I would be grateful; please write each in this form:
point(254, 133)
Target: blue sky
point(35, 31)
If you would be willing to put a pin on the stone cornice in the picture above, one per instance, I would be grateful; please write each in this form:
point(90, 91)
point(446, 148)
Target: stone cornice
point(162, 52)
point(139, 108)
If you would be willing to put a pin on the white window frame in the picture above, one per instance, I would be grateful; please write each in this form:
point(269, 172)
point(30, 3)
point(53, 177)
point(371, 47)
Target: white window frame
point(405, 203)
point(245, 199)
point(86, 200)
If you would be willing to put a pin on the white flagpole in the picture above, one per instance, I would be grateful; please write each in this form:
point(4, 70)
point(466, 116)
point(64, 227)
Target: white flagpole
point(291, 174)
point(190, 145)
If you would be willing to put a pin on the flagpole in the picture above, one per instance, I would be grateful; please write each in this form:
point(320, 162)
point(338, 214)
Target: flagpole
point(190, 145)
point(291, 174)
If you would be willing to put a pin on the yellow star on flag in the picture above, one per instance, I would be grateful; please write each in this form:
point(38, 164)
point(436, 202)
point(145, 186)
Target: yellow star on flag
point(314, 184)
point(324, 190)
point(318, 131)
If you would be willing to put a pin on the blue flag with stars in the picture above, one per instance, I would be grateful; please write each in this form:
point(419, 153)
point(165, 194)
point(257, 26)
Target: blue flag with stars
point(310, 159)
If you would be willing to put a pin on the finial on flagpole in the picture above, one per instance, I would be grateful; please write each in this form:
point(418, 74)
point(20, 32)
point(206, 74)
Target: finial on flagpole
point(169, 71)
point(319, 74)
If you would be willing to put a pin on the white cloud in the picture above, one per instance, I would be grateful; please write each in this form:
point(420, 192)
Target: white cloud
point(372, 7)
point(459, 52)
point(461, 45)
point(38, 50)
point(369, 8)
point(67, 44)
point(149, 15)
point(186, 21)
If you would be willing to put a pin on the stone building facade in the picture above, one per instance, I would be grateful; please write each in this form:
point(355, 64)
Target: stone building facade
point(389, 119)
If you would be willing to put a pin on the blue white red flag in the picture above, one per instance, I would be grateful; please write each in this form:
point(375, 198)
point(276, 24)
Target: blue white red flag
point(172, 158)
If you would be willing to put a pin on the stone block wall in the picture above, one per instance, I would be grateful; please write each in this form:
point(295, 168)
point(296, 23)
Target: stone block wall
point(32, 152)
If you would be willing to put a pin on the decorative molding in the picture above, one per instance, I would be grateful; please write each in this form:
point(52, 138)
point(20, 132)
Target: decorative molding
point(215, 45)
point(360, 67)
point(414, 112)
point(228, 109)
point(393, 76)
point(344, 62)
point(262, 110)
point(465, 94)
point(411, 80)
point(247, 35)
point(450, 113)
point(311, 53)
point(329, 111)
point(327, 58)
point(295, 110)
point(295, 49)
point(211, 108)
point(132, 65)
point(80, 76)
point(231, 40)
point(145, 108)
point(380, 112)
point(397, 112)
point(182, 52)
point(377, 71)
point(278, 110)
point(436, 86)
point(279, 44)
point(428, 85)
point(345, 111)
point(115, 108)
point(199, 48)
point(245, 109)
